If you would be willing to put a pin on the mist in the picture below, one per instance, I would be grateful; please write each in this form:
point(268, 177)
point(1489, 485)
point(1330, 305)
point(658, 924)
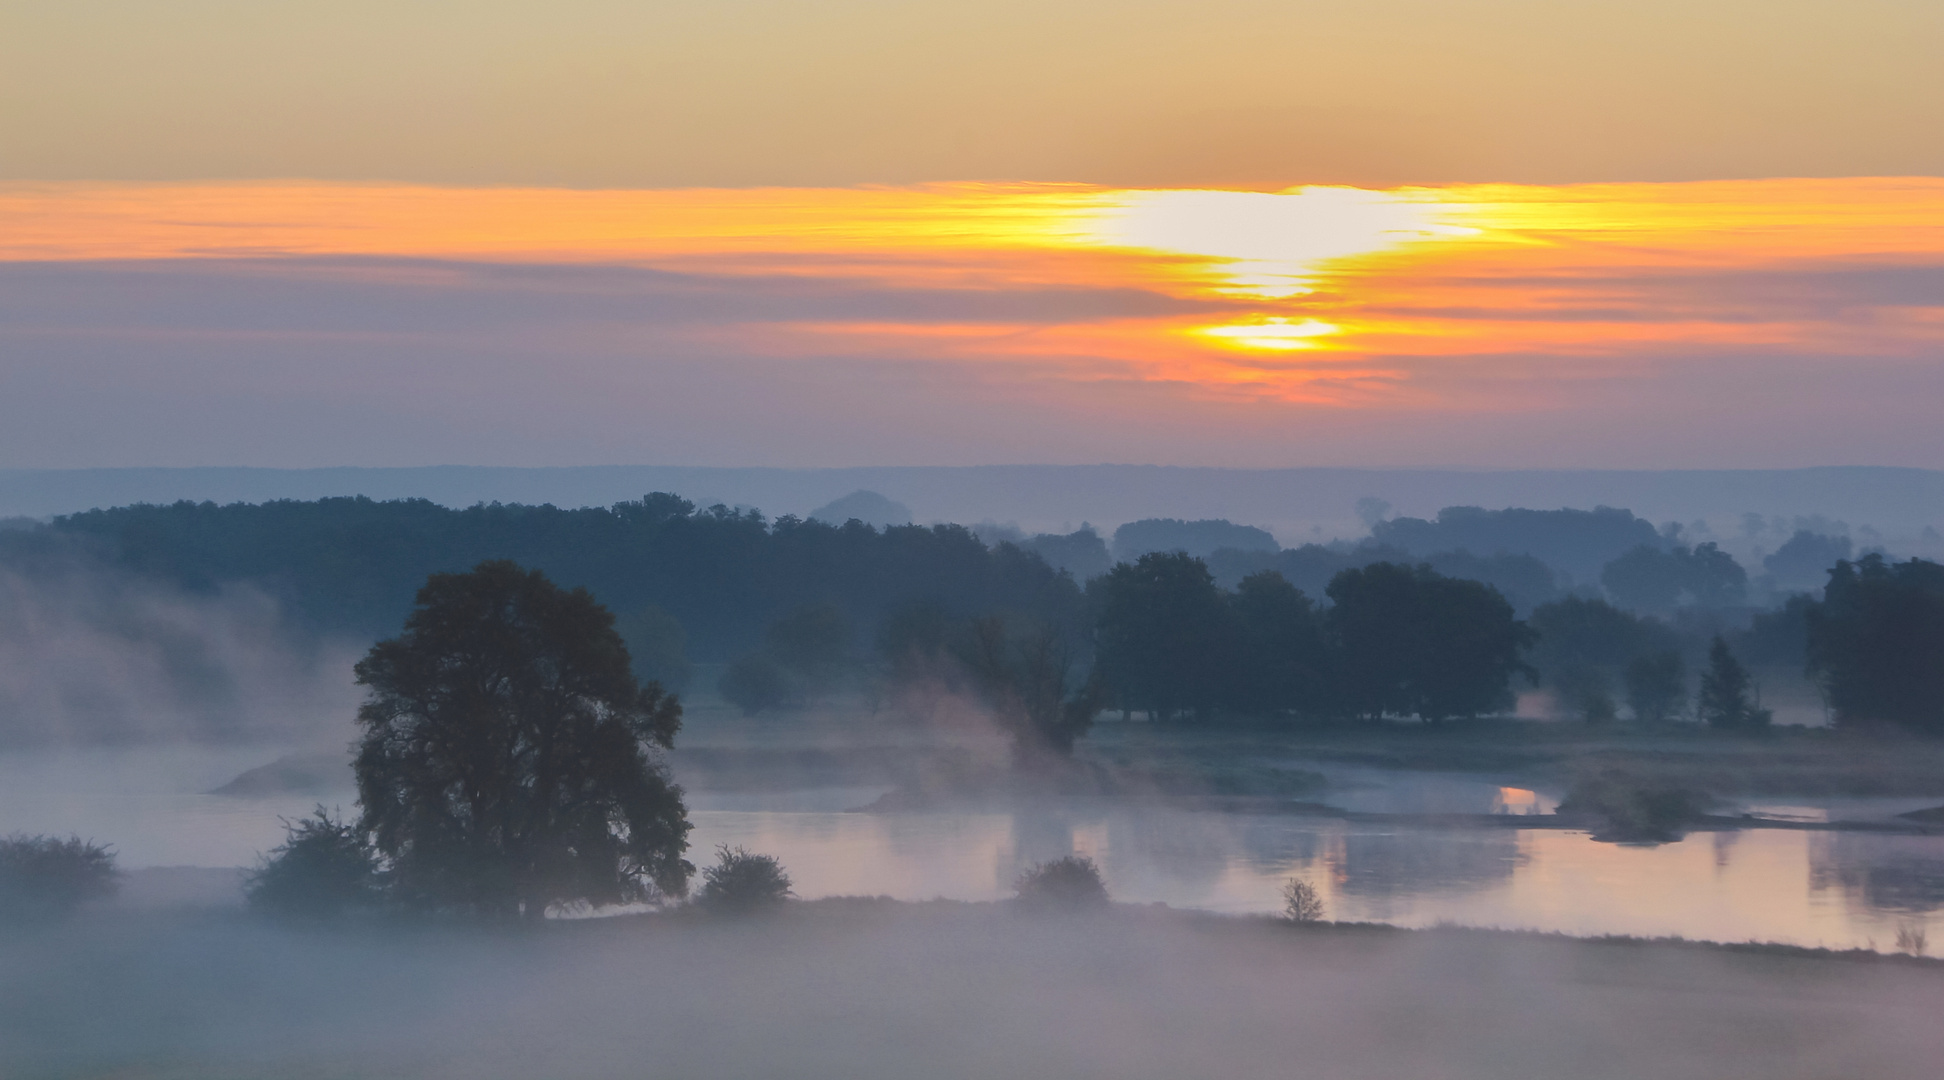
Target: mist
point(93, 654)
point(1496, 878)
point(863, 988)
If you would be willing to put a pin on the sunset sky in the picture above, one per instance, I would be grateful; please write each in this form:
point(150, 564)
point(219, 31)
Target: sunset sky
point(1467, 234)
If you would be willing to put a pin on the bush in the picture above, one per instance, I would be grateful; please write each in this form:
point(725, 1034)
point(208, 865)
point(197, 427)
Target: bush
point(323, 869)
point(1068, 884)
point(45, 877)
point(741, 883)
point(1301, 901)
point(754, 683)
point(1633, 809)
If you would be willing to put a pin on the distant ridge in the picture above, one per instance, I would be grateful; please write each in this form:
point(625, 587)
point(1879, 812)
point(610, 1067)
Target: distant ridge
point(1293, 502)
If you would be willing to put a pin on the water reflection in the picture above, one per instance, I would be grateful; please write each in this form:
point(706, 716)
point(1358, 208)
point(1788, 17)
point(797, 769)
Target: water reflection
point(1420, 862)
point(1838, 889)
point(1899, 874)
point(1377, 791)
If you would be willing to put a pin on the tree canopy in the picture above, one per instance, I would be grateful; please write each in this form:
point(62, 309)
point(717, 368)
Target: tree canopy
point(1652, 579)
point(1586, 646)
point(1411, 641)
point(1877, 643)
point(347, 567)
point(1395, 641)
point(1727, 700)
point(507, 755)
point(1161, 636)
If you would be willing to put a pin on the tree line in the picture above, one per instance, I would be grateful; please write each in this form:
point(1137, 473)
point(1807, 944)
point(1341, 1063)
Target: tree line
point(1406, 641)
point(717, 577)
point(1394, 640)
point(796, 607)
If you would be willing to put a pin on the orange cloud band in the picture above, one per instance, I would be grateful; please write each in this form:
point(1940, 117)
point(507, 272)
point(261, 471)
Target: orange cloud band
point(1314, 296)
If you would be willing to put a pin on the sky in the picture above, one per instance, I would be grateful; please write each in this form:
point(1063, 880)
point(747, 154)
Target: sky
point(1503, 234)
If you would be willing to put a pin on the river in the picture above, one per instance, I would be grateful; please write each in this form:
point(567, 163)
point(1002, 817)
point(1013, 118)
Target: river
point(1837, 889)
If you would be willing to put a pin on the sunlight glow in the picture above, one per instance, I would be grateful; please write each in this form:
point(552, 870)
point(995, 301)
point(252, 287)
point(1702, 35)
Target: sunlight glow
point(1458, 297)
point(1272, 333)
point(1271, 245)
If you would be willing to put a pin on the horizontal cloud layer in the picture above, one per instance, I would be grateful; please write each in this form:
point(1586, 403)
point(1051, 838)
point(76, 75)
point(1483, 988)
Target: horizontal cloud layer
point(1767, 322)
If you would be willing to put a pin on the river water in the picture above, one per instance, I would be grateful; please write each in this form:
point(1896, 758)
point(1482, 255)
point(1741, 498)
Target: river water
point(1812, 888)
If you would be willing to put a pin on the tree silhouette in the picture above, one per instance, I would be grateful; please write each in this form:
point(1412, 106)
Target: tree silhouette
point(1021, 674)
point(1410, 641)
point(743, 883)
point(43, 877)
point(1280, 664)
point(1585, 645)
point(1725, 700)
point(506, 760)
point(324, 868)
point(1877, 643)
point(1650, 579)
point(1656, 686)
point(1161, 634)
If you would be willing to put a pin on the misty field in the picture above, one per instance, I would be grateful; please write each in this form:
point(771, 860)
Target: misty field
point(871, 988)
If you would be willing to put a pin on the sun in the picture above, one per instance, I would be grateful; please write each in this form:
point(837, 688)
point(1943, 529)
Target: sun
point(1268, 244)
point(1273, 333)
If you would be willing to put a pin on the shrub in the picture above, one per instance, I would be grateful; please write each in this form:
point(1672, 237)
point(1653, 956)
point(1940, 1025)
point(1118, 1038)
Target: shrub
point(1301, 901)
point(741, 882)
point(1068, 884)
point(45, 877)
point(1633, 809)
point(323, 869)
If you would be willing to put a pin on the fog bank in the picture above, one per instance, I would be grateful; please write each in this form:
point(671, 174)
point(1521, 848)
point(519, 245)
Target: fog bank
point(858, 989)
point(89, 655)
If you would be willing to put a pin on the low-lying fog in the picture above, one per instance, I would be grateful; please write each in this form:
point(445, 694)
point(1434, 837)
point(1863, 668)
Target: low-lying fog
point(855, 991)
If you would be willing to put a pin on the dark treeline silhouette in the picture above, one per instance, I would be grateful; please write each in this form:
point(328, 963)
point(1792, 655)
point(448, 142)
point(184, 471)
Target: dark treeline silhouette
point(350, 566)
point(1522, 579)
point(1876, 643)
point(1394, 640)
point(800, 610)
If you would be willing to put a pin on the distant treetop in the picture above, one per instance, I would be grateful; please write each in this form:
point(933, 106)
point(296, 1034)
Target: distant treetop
point(1198, 538)
point(866, 506)
point(1579, 542)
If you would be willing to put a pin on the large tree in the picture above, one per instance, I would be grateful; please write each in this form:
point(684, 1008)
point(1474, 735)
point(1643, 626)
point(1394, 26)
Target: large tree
point(1877, 643)
point(1412, 642)
point(508, 759)
point(1281, 663)
point(1162, 634)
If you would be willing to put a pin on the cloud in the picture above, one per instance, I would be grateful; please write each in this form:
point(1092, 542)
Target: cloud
point(967, 323)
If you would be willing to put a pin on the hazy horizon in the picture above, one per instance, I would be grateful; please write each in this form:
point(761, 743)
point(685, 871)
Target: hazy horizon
point(1227, 538)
